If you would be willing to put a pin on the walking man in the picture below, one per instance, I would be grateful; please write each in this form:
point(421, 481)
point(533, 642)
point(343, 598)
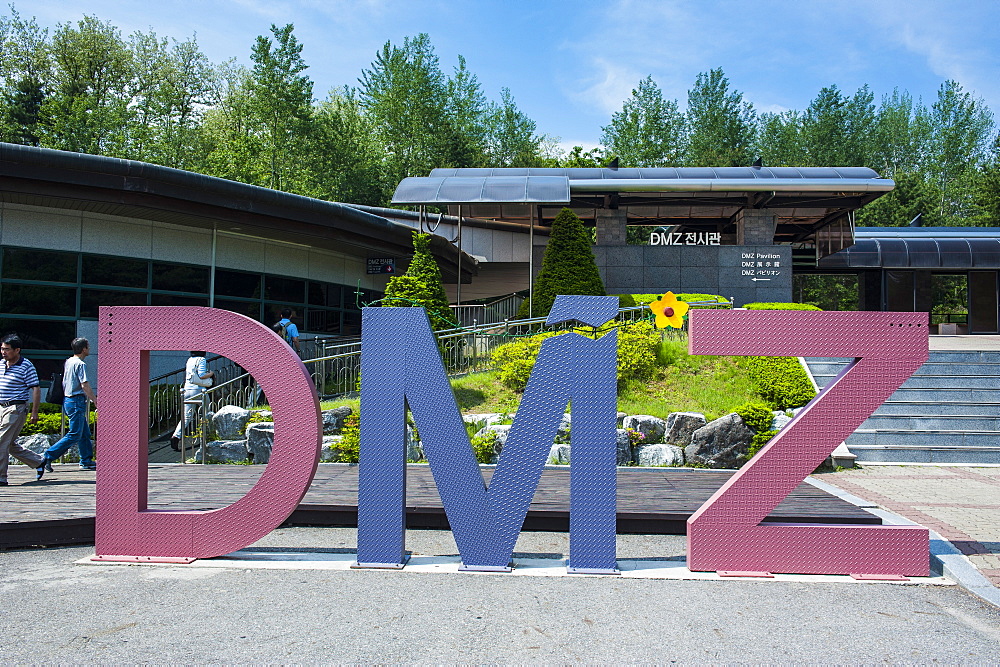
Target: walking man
point(77, 390)
point(18, 380)
point(287, 329)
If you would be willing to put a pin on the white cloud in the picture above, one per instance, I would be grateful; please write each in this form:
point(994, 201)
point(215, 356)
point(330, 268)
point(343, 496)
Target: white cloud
point(611, 85)
point(955, 41)
point(771, 108)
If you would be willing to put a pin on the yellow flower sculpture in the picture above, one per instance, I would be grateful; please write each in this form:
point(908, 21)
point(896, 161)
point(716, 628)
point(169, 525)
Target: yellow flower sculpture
point(669, 311)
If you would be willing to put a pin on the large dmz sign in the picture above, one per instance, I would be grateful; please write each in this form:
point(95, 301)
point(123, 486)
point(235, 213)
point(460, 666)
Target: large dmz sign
point(726, 533)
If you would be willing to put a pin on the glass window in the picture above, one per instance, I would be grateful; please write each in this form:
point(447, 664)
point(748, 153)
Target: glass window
point(323, 321)
point(237, 283)
point(180, 278)
point(277, 288)
point(25, 264)
point(92, 299)
point(46, 366)
point(352, 322)
point(116, 271)
point(38, 300)
point(983, 301)
point(326, 294)
point(248, 308)
point(899, 291)
point(174, 300)
point(40, 334)
point(272, 313)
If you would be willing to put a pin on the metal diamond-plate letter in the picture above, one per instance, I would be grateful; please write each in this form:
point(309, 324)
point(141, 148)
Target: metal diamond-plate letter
point(485, 522)
point(124, 525)
point(592, 310)
point(726, 532)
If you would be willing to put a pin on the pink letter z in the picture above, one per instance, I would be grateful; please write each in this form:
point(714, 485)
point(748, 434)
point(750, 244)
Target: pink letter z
point(726, 533)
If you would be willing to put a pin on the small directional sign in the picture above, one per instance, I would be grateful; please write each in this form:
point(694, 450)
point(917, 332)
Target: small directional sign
point(381, 265)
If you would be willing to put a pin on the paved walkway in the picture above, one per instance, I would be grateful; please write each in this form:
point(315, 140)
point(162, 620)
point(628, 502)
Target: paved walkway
point(960, 503)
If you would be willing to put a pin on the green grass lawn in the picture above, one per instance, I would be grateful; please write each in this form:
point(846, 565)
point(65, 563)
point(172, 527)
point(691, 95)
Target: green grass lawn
point(686, 383)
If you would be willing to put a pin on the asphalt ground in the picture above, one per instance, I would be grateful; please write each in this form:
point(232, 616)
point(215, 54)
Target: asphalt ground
point(57, 612)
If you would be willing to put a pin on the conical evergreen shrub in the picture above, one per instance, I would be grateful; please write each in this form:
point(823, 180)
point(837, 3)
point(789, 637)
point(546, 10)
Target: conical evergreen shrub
point(568, 266)
point(421, 285)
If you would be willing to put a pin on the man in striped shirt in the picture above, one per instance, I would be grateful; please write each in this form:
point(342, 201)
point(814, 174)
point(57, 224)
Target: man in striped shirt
point(17, 379)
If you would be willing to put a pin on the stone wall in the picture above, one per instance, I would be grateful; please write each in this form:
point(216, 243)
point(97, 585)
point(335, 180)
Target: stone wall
point(730, 271)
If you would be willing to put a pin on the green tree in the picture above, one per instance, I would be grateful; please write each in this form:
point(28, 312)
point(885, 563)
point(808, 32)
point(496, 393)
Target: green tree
point(835, 129)
point(406, 95)
point(912, 196)
point(421, 285)
point(88, 109)
point(346, 156)
point(779, 139)
point(649, 131)
point(900, 136)
point(174, 83)
point(988, 190)
point(281, 99)
point(593, 159)
point(568, 266)
point(962, 125)
point(25, 72)
point(721, 125)
point(510, 135)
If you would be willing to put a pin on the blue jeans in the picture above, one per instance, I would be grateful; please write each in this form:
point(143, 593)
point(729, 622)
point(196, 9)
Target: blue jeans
point(78, 434)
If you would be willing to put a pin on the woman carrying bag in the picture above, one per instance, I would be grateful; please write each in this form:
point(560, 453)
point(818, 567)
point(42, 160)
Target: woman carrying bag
point(197, 378)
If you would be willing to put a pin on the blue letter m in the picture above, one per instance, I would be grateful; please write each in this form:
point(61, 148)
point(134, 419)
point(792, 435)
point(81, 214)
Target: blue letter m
point(401, 367)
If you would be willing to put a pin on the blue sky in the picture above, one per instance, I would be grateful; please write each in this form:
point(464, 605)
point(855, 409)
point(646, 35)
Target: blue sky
point(570, 65)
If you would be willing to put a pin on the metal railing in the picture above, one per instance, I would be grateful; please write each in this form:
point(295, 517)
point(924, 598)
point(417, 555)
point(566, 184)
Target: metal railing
point(464, 350)
point(504, 308)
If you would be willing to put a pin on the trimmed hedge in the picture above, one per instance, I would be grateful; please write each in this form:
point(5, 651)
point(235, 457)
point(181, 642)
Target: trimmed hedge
point(568, 266)
point(780, 381)
point(638, 344)
point(630, 300)
point(780, 306)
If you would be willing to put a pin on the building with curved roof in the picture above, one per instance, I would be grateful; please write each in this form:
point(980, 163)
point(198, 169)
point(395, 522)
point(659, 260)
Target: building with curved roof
point(79, 231)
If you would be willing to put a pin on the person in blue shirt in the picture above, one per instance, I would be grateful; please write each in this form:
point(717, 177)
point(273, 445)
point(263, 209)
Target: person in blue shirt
point(77, 391)
point(287, 329)
point(18, 381)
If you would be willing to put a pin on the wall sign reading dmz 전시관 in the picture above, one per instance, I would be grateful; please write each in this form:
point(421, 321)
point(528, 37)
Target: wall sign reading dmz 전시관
point(726, 533)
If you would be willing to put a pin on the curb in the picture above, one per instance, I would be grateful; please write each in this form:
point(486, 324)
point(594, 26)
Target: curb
point(946, 559)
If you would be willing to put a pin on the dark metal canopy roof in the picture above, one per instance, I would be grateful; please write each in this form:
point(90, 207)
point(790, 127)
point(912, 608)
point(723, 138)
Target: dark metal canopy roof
point(919, 248)
point(482, 189)
point(690, 198)
point(112, 186)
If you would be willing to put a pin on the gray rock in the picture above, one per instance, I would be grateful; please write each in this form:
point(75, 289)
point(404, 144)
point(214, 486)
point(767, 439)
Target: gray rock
point(484, 419)
point(501, 431)
point(266, 414)
point(563, 434)
point(38, 443)
point(414, 448)
point(623, 447)
point(230, 422)
point(620, 417)
point(559, 454)
point(795, 411)
point(333, 419)
point(260, 440)
point(779, 421)
point(680, 426)
point(659, 455)
point(330, 451)
point(720, 443)
point(652, 427)
point(224, 451)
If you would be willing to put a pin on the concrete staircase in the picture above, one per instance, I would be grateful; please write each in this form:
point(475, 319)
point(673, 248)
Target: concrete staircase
point(947, 412)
